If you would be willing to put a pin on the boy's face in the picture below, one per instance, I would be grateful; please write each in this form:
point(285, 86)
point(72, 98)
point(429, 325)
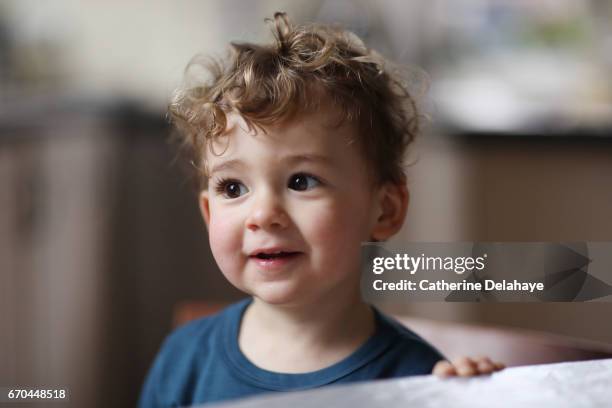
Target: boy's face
point(288, 209)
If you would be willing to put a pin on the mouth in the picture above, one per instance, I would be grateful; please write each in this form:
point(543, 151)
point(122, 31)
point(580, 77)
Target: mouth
point(274, 259)
point(275, 255)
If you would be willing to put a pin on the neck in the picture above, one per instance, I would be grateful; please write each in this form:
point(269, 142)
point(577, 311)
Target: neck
point(318, 320)
point(305, 337)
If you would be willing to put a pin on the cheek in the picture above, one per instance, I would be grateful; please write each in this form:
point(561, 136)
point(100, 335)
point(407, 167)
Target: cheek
point(338, 230)
point(225, 239)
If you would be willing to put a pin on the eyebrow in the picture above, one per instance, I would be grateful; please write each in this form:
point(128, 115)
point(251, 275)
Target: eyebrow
point(312, 158)
point(227, 165)
point(292, 159)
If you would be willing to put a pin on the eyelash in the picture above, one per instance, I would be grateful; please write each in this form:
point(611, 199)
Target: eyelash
point(221, 184)
point(308, 175)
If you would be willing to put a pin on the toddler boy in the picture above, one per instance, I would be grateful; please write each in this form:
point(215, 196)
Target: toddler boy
point(300, 146)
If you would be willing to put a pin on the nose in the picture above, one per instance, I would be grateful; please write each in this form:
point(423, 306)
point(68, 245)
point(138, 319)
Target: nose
point(267, 213)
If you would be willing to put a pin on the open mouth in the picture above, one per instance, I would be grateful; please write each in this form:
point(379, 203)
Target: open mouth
point(276, 255)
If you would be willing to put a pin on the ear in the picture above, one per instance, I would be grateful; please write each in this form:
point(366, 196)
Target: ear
point(392, 204)
point(204, 206)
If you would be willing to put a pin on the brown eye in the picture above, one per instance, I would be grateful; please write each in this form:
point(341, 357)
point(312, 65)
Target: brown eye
point(302, 182)
point(231, 188)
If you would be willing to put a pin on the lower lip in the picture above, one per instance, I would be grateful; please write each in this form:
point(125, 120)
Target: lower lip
point(275, 263)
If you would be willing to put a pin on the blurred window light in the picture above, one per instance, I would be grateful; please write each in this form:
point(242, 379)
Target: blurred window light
point(522, 66)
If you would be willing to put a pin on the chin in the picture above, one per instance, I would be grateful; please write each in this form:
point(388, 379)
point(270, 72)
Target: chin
point(278, 295)
point(276, 299)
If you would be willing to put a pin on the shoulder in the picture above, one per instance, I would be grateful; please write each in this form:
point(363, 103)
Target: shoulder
point(200, 335)
point(410, 353)
point(190, 334)
point(183, 353)
point(399, 329)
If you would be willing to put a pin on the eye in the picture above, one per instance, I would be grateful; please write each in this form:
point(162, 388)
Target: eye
point(231, 188)
point(302, 182)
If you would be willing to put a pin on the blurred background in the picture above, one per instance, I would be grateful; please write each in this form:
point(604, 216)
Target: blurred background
point(100, 236)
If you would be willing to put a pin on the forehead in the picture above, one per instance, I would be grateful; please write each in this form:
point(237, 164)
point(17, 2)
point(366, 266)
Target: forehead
point(318, 133)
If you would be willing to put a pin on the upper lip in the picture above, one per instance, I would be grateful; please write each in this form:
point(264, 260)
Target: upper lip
point(271, 250)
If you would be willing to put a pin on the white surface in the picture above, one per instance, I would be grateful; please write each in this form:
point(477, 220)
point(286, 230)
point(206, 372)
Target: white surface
point(579, 384)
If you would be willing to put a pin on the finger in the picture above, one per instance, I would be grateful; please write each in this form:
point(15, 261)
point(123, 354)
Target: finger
point(499, 366)
point(465, 367)
point(444, 369)
point(484, 365)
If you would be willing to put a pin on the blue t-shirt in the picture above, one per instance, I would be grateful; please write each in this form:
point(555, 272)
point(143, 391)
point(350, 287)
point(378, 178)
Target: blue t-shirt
point(201, 362)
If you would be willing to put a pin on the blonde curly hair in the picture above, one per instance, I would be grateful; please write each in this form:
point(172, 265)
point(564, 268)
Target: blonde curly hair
point(270, 83)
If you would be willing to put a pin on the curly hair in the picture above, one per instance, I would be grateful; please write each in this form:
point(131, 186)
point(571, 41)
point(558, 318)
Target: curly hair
point(268, 84)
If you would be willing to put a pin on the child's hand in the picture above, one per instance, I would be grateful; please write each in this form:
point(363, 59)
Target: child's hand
point(466, 367)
